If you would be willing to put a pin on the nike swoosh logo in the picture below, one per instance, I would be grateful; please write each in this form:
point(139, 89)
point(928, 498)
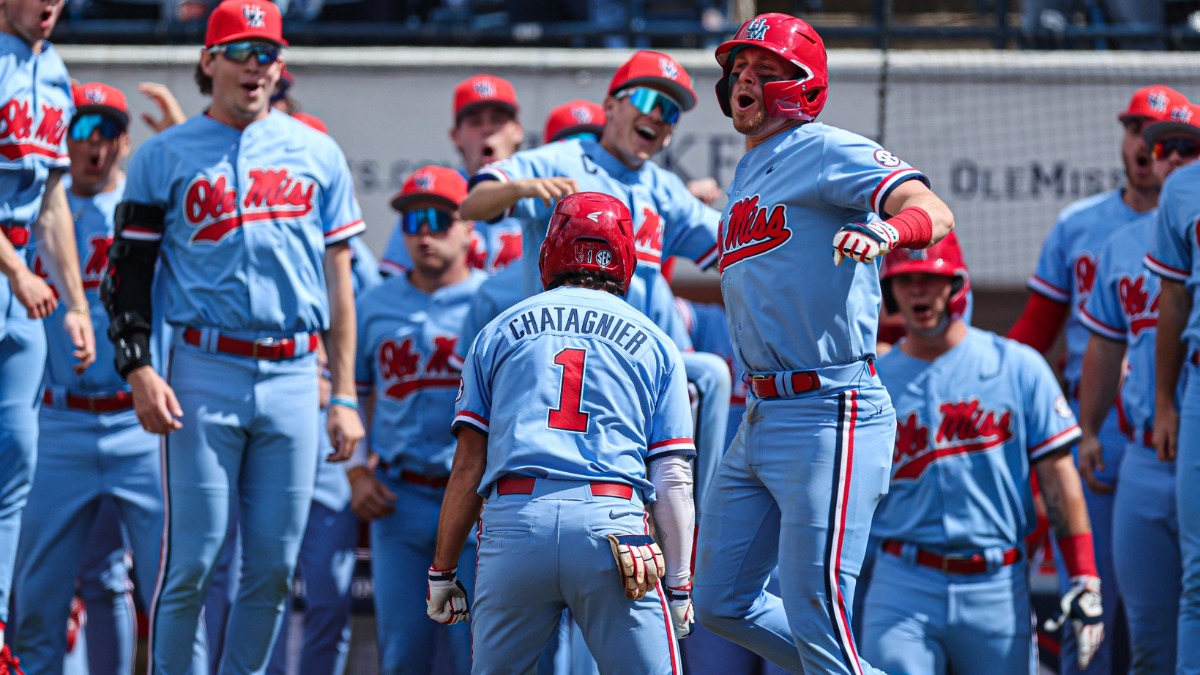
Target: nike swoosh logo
point(770, 169)
point(613, 515)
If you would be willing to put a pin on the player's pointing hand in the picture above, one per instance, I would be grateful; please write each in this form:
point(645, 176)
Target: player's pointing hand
point(549, 190)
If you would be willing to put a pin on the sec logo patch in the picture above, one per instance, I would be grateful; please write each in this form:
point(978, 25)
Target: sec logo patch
point(461, 387)
point(886, 159)
point(1061, 407)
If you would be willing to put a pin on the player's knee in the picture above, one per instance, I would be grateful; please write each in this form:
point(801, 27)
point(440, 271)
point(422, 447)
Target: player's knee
point(714, 611)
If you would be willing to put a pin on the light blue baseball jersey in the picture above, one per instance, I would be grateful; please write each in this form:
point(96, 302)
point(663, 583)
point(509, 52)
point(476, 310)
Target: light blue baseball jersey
point(1172, 253)
point(667, 219)
point(708, 327)
point(574, 384)
point(1066, 268)
point(494, 246)
point(406, 342)
point(791, 308)
point(1123, 306)
point(968, 427)
point(248, 216)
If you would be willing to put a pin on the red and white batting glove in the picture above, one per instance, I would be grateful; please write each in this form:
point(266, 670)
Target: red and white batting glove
point(863, 242)
point(639, 562)
point(446, 599)
point(1081, 604)
point(679, 600)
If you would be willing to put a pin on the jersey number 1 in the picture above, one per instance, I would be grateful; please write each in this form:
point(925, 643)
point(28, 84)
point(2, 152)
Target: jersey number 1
point(569, 415)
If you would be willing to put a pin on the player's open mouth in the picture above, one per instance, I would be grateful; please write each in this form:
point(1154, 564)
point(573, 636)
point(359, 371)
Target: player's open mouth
point(647, 132)
point(488, 152)
point(93, 162)
point(745, 101)
point(1142, 161)
point(47, 14)
point(922, 311)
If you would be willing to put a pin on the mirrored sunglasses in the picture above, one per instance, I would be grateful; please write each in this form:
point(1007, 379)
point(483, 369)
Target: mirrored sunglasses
point(83, 126)
point(646, 100)
point(240, 52)
point(1188, 148)
point(436, 220)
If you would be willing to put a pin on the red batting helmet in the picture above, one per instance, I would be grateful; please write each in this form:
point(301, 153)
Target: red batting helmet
point(589, 232)
point(944, 258)
point(794, 40)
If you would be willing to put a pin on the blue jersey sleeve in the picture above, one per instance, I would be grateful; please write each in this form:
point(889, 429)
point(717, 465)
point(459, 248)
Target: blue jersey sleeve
point(536, 163)
point(1175, 234)
point(671, 423)
point(1102, 313)
point(858, 174)
point(364, 373)
point(341, 216)
point(1049, 423)
point(1052, 276)
point(143, 178)
point(363, 267)
point(473, 407)
point(691, 227)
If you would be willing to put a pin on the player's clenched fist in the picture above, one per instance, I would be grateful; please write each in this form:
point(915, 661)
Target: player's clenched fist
point(639, 561)
point(446, 599)
point(549, 190)
point(863, 242)
point(1081, 604)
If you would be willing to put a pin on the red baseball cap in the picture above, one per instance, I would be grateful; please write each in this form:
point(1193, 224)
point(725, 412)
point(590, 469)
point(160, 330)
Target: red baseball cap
point(1154, 102)
point(484, 89)
point(573, 117)
point(234, 20)
point(97, 97)
point(657, 71)
point(312, 121)
point(433, 183)
point(1182, 120)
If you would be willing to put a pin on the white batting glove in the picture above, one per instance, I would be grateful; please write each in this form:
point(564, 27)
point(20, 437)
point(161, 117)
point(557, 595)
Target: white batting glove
point(1081, 604)
point(863, 242)
point(679, 600)
point(639, 562)
point(446, 599)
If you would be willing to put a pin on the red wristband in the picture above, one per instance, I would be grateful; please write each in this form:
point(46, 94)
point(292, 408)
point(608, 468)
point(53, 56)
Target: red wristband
point(1079, 555)
point(914, 226)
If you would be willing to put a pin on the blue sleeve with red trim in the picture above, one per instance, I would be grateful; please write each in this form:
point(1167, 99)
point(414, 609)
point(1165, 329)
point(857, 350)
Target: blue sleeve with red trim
point(1049, 423)
point(858, 174)
point(1172, 248)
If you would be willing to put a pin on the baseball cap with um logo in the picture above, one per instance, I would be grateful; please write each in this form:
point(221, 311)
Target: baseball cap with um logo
point(656, 71)
point(484, 90)
point(235, 20)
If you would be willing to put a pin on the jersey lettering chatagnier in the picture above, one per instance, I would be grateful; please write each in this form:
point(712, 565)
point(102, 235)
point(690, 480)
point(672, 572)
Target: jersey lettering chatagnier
point(574, 384)
point(406, 344)
point(969, 426)
point(1172, 253)
point(248, 217)
point(1066, 269)
point(777, 216)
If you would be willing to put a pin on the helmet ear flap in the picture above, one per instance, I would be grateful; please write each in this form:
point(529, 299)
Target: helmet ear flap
point(889, 300)
point(722, 88)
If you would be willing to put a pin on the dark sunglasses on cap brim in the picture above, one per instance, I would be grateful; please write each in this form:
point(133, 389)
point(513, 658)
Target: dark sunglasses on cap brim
point(240, 52)
point(83, 126)
point(436, 220)
point(1187, 147)
point(645, 100)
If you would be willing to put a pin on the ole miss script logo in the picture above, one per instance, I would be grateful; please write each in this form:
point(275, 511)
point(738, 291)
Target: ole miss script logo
point(649, 238)
point(211, 205)
point(18, 135)
point(405, 369)
point(1141, 312)
point(752, 230)
point(965, 428)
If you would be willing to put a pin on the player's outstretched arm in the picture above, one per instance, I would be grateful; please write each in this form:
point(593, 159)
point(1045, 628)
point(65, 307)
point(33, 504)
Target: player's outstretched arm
point(675, 523)
point(344, 425)
point(1062, 491)
point(490, 198)
point(446, 599)
point(54, 231)
point(1097, 393)
point(921, 219)
point(1174, 306)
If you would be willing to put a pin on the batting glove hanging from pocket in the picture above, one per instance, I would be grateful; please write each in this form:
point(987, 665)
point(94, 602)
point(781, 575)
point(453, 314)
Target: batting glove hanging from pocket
point(446, 598)
point(1081, 604)
point(639, 562)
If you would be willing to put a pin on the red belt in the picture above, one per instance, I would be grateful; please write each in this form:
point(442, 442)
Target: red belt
point(517, 485)
point(122, 400)
point(764, 386)
point(427, 481)
point(1147, 437)
point(974, 564)
point(269, 349)
point(17, 235)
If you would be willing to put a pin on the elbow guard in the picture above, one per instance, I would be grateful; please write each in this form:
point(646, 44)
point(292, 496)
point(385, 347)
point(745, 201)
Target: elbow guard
point(125, 290)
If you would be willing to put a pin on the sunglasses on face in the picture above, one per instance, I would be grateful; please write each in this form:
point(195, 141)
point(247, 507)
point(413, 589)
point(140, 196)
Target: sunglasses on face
point(83, 126)
point(437, 221)
point(1188, 148)
point(240, 52)
point(646, 100)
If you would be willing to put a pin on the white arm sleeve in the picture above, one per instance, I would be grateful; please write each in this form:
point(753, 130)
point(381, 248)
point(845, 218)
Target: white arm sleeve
point(674, 516)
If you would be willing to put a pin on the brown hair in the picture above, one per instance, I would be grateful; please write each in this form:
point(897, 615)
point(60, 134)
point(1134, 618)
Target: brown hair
point(592, 280)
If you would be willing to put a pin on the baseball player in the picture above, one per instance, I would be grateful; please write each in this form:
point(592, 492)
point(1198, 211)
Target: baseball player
point(810, 460)
point(1176, 434)
point(1065, 276)
point(249, 211)
point(486, 129)
point(575, 119)
point(1122, 314)
point(327, 552)
point(408, 327)
point(572, 417)
point(35, 102)
point(91, 448)
point(975, 414)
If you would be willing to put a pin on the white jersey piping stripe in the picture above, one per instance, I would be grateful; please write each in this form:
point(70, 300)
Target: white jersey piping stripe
point(1048, 289)
point(709, 257)
point(844, 458)
point(672, 444)
point(1099, 327)
point(140, 235)
point(391, 267)
point(472, 420)
point(1059, 440)
point(345, 231)
point(889, 183)
point(1164, 270)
